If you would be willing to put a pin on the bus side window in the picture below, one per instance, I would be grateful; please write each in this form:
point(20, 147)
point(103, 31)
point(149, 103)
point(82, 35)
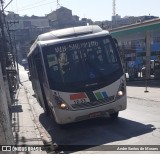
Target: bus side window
point(40, 70)
point(33, 71)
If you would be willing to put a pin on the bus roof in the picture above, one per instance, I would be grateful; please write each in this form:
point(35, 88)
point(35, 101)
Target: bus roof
point(66, 33)
point(69, 32)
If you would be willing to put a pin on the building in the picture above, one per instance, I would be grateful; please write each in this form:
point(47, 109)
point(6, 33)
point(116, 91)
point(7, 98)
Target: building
point(116, 17)
point(133, 45)
point(24, 31)
point(63, 18)
point(117, 21)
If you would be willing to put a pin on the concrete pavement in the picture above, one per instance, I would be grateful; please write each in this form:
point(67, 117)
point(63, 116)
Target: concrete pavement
point(137, 89)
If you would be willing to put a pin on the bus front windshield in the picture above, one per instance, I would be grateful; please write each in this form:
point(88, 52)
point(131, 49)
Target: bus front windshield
point(78, 65)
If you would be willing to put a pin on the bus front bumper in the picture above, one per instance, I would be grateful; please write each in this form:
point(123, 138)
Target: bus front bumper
point(69, 116)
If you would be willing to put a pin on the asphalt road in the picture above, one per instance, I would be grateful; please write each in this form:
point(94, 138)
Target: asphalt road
point(139, 124)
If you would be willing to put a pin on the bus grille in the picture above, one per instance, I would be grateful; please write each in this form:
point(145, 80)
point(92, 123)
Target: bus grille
point(93, 104)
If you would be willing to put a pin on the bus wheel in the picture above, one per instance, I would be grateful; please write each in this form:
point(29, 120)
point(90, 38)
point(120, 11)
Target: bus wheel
point(51, 113)
point(47, 112)
point(64, 126)
point(45, 104)
point(46, 107)
point(114, 115)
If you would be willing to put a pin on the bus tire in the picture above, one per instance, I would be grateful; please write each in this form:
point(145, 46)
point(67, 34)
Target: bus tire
point(64, 126)
point(46, 107)
point(51, 114)
point(114, 115)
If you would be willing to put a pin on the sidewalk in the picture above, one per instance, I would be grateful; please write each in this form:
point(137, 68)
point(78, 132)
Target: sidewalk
point(25, 127)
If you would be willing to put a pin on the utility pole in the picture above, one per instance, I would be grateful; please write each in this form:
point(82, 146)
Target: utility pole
point(13, 48)
point(114, 7)
point(4, 53)
point(8, 65)
point(148, 54)
point(3, 39)
point(58, 5)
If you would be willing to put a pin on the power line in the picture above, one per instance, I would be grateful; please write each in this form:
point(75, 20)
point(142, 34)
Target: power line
point(8, 4)
point(23, 7)
point(35, 6)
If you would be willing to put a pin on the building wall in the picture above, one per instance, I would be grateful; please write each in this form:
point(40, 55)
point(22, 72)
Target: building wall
point(60, 18)
point(63, 18)
point(133, 48)
point(52, 16)
point(26, 29)
point(11, 16)
point(28, 23)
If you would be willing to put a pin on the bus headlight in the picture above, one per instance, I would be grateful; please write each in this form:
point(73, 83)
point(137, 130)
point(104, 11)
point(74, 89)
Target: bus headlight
point(120, 93)
point(121, 90)
point(61, 104)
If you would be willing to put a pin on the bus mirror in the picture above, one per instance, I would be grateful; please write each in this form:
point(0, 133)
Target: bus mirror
point(29, 76)
point(116, 42)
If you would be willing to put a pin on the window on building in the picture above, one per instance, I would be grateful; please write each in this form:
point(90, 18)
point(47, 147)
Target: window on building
point(156, 40)
point(26, 23)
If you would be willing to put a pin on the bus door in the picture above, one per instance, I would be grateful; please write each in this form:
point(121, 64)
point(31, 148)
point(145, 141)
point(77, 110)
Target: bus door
point(40, 81)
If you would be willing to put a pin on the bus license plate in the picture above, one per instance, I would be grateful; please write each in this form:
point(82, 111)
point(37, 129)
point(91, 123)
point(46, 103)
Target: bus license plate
point(95, 114)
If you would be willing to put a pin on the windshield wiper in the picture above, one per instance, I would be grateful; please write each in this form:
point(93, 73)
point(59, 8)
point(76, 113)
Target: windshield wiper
point(92, 84)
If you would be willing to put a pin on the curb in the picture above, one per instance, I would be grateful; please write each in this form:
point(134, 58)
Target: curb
point(145, 99)
point(49, 146)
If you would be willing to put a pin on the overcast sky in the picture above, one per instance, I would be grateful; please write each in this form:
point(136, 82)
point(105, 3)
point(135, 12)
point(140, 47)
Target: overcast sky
point(97, 10)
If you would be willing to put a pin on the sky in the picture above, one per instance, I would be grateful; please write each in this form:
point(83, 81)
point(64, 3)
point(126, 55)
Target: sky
point(97, 10)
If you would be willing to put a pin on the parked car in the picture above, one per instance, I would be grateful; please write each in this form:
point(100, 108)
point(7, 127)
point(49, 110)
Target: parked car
point(25, 63)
